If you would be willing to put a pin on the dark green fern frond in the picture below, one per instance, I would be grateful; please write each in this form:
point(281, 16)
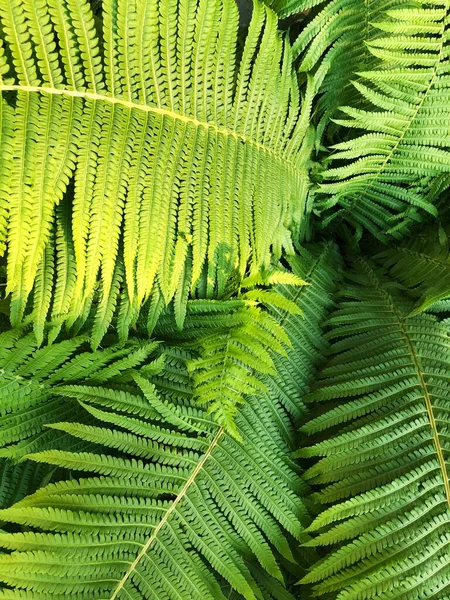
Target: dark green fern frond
point(422, 264)
point(383, 448)
point(161, 494)
point(183, 157)
point(377, 182)
point(169, 505)
point(30, 378)
point(20, 480)
point(320, 265)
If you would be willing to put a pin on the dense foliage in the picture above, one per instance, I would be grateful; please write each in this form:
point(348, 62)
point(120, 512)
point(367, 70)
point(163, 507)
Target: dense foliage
point(224, 299)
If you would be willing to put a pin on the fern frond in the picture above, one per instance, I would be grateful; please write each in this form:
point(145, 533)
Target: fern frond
point(168, 502)
point(171, 506)
point(231, 363)
point(235, 342)
point(334, 43)
point(162, 129)
point(383, 449)
point(422, 265)
point(31, 378)
point(378, 183)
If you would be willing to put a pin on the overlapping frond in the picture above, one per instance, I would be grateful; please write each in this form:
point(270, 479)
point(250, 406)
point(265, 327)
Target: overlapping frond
point(422, 264)
point(184, 159)
point(320, 266)
point(238, 343)
point(231, 363)
point(334, 43)
point(382, 178)
point(30, 377)
point(170, 505)
point(383, 447)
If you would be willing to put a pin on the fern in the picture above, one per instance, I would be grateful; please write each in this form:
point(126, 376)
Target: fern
point(169, 337)
point(161, 126)
point(30, 378)
point(230, 364)
point(170, 505)
point(380, 184)
point(335, 45)
point(422, 264)
point(383, 449)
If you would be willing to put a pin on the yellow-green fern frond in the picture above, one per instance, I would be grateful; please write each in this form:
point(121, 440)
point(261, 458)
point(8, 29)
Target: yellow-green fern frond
point(184, 154)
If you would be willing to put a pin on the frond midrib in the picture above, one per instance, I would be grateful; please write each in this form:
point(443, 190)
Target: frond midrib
point(163, 112)
point(415, 359)
point(197, 470)
point(428, 258)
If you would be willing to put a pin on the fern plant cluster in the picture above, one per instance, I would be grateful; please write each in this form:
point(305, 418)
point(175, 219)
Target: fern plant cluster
point(224, 299)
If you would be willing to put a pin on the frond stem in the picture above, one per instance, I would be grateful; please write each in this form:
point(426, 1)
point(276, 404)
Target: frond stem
point(163, 112)
point(169, 512)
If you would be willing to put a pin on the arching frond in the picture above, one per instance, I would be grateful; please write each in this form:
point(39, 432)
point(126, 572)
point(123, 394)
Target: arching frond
point(334, 43)
point(184, 158)
point(170, 505)
point(383, 448)
point(379, 176)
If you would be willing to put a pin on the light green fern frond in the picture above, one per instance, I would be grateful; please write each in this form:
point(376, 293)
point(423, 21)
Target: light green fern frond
point(383, 448)
point(243, 343)
point(184, 158)
point(378, 179)
point(233, 341)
